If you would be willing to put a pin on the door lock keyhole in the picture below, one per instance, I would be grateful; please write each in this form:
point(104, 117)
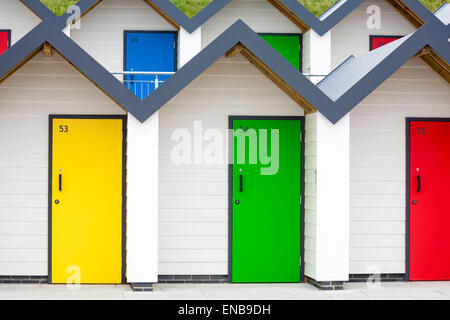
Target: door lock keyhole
point(57, 201)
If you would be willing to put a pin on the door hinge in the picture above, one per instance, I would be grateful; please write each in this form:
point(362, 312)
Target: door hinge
point(301, 136)
point(300, 261)
point(300, 199)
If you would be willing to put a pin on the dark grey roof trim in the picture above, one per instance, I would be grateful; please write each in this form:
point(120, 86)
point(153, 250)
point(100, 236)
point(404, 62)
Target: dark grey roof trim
point(190, 24)
point(239, 32)
point(396, 56)
point(325, 25)
point(62, 21)
point(48, 32)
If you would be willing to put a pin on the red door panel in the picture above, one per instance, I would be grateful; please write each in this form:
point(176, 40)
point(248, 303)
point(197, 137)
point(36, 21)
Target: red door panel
point(4, 41)
point(429, 188)
point(379, 41)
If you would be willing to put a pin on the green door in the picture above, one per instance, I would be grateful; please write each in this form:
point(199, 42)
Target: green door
point(288, 45)
point(266, 200)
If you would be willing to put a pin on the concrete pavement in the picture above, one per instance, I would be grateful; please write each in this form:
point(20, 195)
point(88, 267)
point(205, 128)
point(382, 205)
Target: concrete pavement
point(358, 291)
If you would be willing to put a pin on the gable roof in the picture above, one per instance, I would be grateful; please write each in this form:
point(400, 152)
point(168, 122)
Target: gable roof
point(47, 32)
point(164, 7)
point(336, 95)
point(356, 78)
point(413, 10)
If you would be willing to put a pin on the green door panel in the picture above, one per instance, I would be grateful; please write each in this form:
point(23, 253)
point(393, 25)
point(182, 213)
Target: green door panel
point(267, 185)
point(287, 45)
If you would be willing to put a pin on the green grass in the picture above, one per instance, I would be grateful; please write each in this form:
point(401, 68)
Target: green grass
point(432, 5)
point(59, 7)
point(192, 7)
point(317, 7)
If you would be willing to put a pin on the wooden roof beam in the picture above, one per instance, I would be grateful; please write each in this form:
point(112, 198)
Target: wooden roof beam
point(240, 48)
point(406, 12)
point(290, 15)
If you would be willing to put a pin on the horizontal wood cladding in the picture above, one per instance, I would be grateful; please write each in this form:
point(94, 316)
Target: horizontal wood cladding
point(240, 48)
point(42, 86)
point(378, 164)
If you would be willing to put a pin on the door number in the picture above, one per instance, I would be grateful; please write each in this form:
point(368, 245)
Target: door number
point(420, 130)
point(63, 128)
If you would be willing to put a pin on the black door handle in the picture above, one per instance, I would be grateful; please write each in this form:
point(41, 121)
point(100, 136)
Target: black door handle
point(241, 183)
point(419, 184)
point(60, 182)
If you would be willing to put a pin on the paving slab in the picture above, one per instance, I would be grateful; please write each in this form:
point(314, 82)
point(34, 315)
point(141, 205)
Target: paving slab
point(227, 291)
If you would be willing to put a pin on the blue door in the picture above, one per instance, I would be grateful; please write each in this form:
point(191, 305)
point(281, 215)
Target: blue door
point(148, 52)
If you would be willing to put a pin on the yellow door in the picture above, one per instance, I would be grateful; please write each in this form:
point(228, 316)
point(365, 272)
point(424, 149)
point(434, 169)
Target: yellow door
point(86, 200)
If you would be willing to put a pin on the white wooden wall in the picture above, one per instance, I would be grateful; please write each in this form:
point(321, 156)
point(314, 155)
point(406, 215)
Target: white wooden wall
point(260, 15)
point(377, 201)
point(310, 194)
point(193, 201)
point(351, 35)
point(101, 32)
point(15, 16)
point(41, 87)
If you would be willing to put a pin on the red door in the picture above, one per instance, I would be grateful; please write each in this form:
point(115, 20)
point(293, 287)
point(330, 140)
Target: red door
point(429, 202)
point(379, 41)
point(4, 40)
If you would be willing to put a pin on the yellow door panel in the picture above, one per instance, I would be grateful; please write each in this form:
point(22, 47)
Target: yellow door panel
point(86, 216)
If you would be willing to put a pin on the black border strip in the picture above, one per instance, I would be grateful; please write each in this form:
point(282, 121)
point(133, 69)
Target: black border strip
point(124, 198)
point(230, 186)
point(408, 121)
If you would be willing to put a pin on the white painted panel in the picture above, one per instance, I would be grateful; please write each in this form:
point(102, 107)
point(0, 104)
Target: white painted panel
point(15, 16)
point(377, 228)
point(259, 15)
point(203, 268)
point(193, 255)
point(24, 255)
point(193, 198)
point(351, 35)
point(363, 267)
point(142, 200)
point(379, 241)
point(189, 44)
point(333, 200)
point(24, 269)
point(41, 87)
point(102, 29)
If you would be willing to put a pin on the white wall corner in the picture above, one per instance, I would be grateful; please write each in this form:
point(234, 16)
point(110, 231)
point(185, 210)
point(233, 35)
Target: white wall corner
point(333, 199)
point(310, 194)
point(142, 200)
point(189, 44)
point(316, 55)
